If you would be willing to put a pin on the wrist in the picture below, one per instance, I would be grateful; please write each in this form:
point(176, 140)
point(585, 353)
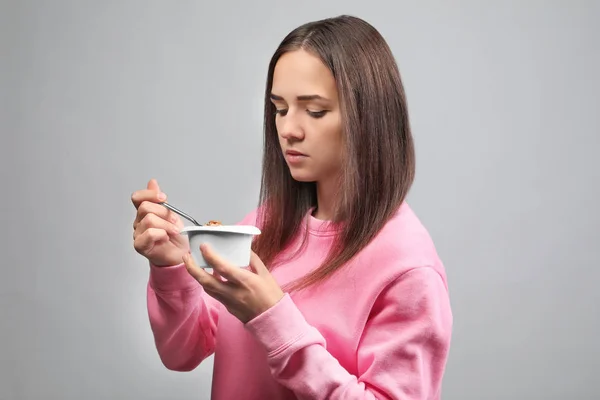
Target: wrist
point(171, 278)
point(280, 326)
point(271, 302)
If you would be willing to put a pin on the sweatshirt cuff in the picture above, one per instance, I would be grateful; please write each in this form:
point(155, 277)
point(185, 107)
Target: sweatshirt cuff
point(280, 326)
point(171, 279)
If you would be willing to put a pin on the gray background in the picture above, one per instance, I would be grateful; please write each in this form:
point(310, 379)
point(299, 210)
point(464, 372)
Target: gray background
point(98, 97)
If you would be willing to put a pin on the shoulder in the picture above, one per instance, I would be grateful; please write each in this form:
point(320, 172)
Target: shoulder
point(249, 218)
point(252, 217)
point(403, 244)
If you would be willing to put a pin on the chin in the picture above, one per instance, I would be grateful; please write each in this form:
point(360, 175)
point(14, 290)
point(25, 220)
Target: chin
point(301, 177)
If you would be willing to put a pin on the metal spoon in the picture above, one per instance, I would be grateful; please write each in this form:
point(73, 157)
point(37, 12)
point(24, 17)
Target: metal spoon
point(178, 211)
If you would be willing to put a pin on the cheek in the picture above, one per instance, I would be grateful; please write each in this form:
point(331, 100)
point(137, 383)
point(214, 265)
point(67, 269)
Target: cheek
point(277, 130)
point(334, 135)
point(277, 125)
point(337, 143)
point(331, 144)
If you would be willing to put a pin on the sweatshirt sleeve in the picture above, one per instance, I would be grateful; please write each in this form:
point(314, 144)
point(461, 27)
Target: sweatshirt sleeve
point(401, 355)
point(183, 318)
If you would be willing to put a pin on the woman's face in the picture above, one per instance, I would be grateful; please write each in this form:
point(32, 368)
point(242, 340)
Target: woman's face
point(308, 117)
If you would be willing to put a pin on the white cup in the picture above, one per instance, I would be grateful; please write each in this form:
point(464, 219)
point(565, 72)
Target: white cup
point(231, 242)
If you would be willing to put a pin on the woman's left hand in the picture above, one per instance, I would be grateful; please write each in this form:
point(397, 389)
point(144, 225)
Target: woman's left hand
point(245, 293)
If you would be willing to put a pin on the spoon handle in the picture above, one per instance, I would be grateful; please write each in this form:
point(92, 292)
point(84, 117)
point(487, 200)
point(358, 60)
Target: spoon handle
point(178, 211)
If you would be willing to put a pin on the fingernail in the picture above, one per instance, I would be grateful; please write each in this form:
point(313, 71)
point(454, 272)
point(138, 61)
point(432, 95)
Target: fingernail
point(203, 247)
point(162, 196)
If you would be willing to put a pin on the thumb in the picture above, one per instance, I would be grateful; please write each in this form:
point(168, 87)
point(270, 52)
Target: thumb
point(257, 265)
point(153, 185)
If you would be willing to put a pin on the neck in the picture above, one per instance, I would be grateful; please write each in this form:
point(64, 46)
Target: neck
point(326, 196)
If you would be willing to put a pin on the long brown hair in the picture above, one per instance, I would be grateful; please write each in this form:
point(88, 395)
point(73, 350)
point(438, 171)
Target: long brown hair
point(378, 153)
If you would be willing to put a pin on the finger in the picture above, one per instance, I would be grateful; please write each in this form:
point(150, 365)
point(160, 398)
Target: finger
point(144, 242)
point(218, 276)
point(257, 265)
point(219, 265)
point(153, 185)
point(208, 282)
point(154, 221)
point(154, 196)
point(147, 207)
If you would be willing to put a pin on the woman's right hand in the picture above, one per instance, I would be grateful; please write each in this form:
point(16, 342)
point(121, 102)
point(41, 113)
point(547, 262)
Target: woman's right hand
point(156, 229)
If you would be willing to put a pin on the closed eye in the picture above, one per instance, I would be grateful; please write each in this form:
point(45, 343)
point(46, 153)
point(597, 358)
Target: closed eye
point(314, 114)
point(317, 114)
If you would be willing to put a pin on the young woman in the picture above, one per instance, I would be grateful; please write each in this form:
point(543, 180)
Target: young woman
point(345, 296)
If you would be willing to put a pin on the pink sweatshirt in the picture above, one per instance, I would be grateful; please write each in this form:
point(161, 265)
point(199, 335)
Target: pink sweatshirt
point(380, 329)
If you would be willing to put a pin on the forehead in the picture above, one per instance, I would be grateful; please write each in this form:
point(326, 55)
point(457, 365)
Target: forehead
point(300, 73)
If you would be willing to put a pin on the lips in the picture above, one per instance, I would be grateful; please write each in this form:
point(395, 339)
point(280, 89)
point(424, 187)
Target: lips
point(294, 153)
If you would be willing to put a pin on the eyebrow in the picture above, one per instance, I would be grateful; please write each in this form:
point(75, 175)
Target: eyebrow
point(307, 97)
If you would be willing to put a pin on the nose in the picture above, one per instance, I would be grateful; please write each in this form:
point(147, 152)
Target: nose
point(289, 128)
